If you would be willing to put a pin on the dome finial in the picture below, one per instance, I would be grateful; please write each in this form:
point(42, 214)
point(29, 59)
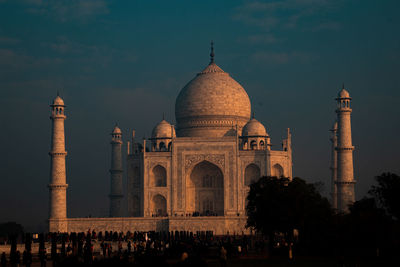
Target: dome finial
point(58, 93)
point(342, 85)
point(212, 53)
point(253, 115)
point(163, 115)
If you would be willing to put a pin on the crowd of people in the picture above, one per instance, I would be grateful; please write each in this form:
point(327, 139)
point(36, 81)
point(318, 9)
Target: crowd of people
point(136, 248)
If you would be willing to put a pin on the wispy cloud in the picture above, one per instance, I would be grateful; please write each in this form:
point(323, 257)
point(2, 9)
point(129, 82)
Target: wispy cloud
point(282, 57)
point(263, 39)
point(4, 40)
point(282, 14)
point(66, 10)
point(101, 54)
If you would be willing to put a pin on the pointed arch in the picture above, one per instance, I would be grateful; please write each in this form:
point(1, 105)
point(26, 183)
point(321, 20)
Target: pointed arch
point(205, 189)
point(253, 145)
point(162, 146)
point(158, 176)
point(277, 171)
point(251, 174)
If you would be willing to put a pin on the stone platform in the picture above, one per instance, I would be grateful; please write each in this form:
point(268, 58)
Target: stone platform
point(219, 225)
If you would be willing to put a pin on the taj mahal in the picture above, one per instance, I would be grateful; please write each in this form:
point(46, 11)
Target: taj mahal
point(195, 175)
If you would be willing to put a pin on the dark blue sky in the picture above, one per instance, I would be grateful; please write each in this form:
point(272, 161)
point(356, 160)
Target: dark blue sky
point(126, 61)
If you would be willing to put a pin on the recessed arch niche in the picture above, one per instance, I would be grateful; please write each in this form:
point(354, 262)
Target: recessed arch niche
point(277, 170)
point(251, 174)
point(158, 176)
point(205, 190)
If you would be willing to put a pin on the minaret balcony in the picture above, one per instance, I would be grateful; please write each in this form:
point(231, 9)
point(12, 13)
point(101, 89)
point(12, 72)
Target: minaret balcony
point(58, 186)
point(348, 148)
point(53, 153)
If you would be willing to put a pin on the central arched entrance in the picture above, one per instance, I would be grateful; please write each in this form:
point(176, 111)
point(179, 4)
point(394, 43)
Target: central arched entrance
point(205, 190)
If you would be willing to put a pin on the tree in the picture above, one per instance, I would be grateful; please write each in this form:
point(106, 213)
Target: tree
point(366, 230)
point(10, 228)
point(387, 193)
point(280, 205)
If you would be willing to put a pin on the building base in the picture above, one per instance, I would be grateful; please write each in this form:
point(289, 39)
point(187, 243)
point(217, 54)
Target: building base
point(219, 225)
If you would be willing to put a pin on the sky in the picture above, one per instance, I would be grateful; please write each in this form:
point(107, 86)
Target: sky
point(126, 61)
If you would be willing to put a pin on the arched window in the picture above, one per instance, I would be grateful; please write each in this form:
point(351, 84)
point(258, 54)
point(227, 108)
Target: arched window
point(158, 176)
point(262, 144)
point(251, 174)
point(162, 146)
point(277, 171)
point(253, 145)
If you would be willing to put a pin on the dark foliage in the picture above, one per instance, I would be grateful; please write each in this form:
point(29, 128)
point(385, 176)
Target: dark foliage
point(367, 231)
point(387, 193)
point(10, 228)
point(280, 205)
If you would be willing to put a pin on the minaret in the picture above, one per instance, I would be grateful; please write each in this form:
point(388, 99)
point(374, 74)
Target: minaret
point(345, 175)
point(334, 166)
point(116, 173)
point(58, 185)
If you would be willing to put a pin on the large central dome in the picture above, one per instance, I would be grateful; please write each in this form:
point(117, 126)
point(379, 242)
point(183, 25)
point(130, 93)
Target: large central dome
point(211, 104)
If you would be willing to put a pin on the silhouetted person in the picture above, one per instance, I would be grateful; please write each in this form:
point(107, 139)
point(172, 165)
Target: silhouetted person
point(17, 258)
point(42, 257)
point(3, 260)
point(223, 257)
point(69, 250)
point(25, 258)
point(109, 250)
point(129, 247)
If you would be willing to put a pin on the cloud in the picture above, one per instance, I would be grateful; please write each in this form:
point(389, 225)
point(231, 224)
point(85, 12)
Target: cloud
point(10, 59)
point(89, 56)
point(271, 57)
point(66, 10)
point(4, 40)
point(282, 14)
point(282, 57)
point(263, 39)
point(326, 26)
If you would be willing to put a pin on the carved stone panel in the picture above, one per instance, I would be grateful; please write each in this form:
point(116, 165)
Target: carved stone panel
point(217, 159)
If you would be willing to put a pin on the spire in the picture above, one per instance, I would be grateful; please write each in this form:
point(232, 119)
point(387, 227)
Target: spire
point(253, 115)
point(212, 53)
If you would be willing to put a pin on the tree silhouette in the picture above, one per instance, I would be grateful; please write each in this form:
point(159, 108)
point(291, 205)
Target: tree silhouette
point(387, 193)
point(280, 205)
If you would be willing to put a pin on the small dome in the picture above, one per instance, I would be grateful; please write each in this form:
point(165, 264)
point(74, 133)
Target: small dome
point(58, 101)
point(163, 130)
point(254, 128)
point(116, 130)
point(343, 94)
